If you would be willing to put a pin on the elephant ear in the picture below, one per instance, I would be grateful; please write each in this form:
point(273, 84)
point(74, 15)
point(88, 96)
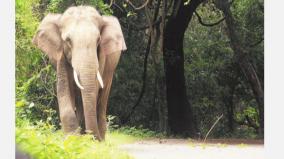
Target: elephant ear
point(48, 37)
point(112, 39)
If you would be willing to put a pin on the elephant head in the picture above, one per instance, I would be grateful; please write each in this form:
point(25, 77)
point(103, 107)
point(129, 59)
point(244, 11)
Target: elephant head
point(77, 38)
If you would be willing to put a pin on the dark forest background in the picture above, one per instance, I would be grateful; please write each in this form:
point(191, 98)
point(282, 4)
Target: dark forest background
point(188, 63)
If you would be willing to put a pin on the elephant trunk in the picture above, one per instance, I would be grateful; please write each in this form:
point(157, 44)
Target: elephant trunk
point(87, 77)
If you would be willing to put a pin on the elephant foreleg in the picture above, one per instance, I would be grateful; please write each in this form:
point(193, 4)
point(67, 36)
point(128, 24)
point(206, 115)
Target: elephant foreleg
point(109, 68)
point(65, 100)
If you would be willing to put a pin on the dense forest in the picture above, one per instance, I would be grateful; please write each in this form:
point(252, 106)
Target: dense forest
point(188, 64)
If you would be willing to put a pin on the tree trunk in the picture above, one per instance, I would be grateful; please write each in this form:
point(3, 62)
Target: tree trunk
point(229, 102)
point(240, 51)
point(160, 98)
point(180, 116)
point(255, 84)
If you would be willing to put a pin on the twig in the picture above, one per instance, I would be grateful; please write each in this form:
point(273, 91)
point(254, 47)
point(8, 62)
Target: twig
point(212, 127)
point(119, 7)
point(137, 8)
point(111, 2)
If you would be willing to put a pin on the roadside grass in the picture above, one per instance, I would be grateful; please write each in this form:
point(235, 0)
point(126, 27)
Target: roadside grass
point(42, 141)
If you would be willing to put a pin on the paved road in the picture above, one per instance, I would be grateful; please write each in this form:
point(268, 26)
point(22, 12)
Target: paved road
point(184, 149)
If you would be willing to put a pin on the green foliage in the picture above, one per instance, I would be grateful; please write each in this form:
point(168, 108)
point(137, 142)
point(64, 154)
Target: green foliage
point(59, 6)
point(139, 132)
point(36, 99)
point(55, 6)
point(42, 141)
point(208, 54)
point(213, 78)
point(25, 17)
point(99, 4)
point(35, 79)
point(250, 112)
point(133, 131)
point(27, 57)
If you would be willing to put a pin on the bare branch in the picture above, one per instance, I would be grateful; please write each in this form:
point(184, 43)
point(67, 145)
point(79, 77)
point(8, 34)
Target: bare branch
point(121, 9)
point(205, 24)
point(212, 127)
point(126, 119)
point(148, 17)
point(149, 48)
point(111, 2)
point(138, 27)
point(137, 8)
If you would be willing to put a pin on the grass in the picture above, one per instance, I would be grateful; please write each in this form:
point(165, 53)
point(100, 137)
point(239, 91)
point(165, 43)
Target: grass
point(242, 145)
point(42, 141)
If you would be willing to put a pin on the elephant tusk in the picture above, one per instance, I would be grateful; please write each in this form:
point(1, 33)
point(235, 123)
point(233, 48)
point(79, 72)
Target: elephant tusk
point(77, 80)
point(100, 79)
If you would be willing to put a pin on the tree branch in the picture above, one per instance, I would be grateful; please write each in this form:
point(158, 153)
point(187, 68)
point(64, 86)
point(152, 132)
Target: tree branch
point(111, 2)
point(138, 28)
point(205, 24)
point(148, 50)
point(126, 119)
point(176, 7)
point(137, 8)
point(212, 127)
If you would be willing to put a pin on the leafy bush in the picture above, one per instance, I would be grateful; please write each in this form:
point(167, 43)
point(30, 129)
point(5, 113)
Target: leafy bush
point(42, 141)
point(139, 132)
point(59, 6)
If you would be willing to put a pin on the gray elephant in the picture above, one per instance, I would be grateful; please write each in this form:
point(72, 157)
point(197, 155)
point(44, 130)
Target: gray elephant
point(84, 47)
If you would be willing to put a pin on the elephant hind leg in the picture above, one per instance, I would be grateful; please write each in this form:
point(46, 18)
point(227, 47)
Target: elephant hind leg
point(109, 68)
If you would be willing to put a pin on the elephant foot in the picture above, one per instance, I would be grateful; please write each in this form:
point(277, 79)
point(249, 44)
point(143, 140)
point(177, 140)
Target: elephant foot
point(96, 136)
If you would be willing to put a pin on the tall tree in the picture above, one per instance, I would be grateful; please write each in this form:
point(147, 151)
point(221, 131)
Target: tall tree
point(241, 53)
point(180, 116)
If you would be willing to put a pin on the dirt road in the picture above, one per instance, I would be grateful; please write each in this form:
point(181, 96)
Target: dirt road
point(185, 149)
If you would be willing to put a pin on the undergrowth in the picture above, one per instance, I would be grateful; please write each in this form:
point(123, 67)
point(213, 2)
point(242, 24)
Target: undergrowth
point(42, 141)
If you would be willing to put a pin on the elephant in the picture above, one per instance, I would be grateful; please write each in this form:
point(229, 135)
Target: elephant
point(84, 47)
